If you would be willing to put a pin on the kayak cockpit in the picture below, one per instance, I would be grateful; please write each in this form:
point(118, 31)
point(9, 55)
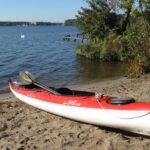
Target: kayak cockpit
point(67, 91)
point(62, 91)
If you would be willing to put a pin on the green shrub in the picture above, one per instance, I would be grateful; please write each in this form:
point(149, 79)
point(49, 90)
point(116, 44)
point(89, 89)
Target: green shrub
point(137, 39)
point(111, 48)
point(89, 51)
point(132, 47)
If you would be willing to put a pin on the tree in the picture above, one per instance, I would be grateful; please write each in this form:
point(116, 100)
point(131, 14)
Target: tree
point(119, 30)
point(98, 20)
point(102, 16)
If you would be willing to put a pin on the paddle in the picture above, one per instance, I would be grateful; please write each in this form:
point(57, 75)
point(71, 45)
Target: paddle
point(27, 78)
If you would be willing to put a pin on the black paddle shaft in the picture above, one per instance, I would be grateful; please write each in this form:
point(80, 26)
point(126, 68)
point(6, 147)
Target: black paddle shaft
point(29, 78)
point(41, 85)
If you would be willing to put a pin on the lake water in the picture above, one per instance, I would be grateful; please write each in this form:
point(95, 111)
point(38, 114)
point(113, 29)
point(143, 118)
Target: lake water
point(44, 53)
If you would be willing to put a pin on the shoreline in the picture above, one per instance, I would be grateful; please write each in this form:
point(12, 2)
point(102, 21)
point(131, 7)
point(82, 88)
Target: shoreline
point(4, 96)
point(25, 127)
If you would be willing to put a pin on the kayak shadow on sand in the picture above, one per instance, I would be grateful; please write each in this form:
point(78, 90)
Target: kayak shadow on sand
point(125, 134)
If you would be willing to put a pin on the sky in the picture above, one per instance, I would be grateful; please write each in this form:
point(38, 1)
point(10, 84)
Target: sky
point(39, 10)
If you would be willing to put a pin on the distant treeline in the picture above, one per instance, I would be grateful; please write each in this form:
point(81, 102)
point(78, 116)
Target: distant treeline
point(22, 23)
point(70, 22)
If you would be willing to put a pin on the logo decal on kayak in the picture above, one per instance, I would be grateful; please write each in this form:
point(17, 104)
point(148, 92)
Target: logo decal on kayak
point(72, 103)
point(30, 95)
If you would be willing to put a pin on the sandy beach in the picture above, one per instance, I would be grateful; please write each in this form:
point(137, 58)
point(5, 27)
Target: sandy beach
point(23, 127)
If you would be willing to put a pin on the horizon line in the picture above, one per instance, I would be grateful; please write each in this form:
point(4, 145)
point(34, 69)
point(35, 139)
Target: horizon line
point(31, 21)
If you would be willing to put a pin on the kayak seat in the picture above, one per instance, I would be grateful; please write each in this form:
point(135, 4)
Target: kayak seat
point(64, 91)
point(121, 101)
point(31, 86)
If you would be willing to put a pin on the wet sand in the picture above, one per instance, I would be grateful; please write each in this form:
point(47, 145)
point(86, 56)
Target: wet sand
point(23, 127)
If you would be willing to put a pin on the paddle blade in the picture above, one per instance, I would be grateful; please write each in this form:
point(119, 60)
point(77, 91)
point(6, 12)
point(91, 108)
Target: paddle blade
point(26, 77)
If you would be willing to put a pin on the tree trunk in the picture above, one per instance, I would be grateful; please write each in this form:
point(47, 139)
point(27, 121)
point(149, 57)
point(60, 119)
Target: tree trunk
point(126, 21)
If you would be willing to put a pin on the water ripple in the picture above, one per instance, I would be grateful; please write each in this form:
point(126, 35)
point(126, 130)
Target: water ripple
point(44, 53)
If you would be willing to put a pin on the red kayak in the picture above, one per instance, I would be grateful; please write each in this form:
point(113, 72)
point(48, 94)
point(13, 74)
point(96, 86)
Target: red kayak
point(88, 107)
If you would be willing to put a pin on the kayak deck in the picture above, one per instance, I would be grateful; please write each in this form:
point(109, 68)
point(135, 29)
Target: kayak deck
point(76, 98)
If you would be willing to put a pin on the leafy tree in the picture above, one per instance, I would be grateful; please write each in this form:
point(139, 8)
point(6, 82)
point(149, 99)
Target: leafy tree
point(118, 30)
point(105, 15)
point(98, 20)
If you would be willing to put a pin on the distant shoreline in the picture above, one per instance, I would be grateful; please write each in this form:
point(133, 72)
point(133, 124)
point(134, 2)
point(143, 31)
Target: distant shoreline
point(25, 23)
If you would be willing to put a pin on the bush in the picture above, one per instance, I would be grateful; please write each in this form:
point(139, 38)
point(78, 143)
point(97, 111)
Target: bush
point(109, 49)
point(137, 39)
point(133, 47)
point(89, 51)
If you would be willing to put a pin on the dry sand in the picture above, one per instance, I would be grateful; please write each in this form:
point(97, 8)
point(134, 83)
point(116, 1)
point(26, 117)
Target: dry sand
point(24, 127)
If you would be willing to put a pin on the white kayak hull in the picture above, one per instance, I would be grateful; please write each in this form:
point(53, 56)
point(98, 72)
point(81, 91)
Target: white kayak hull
point(129, 120)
